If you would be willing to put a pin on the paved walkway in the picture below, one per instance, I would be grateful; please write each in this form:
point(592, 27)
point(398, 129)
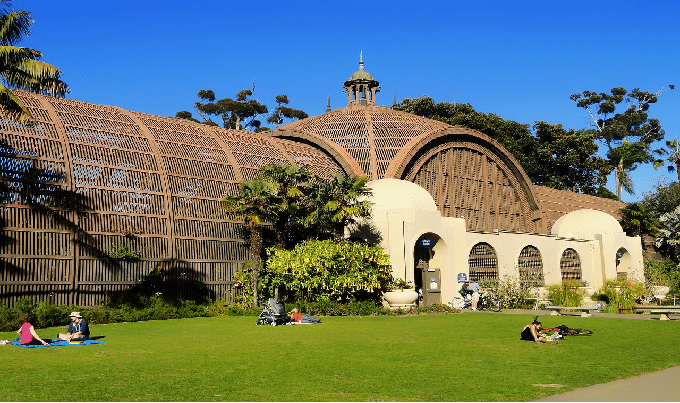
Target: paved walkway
point(660, 386)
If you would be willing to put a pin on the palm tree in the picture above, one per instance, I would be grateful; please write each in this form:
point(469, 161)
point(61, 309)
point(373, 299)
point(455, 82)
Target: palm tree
point(21, 67)
point(253, 203)
point(673, 156)
point(292, 186)
point(339, 202)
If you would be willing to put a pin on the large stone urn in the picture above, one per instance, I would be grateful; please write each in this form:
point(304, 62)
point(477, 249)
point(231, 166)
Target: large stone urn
point(401, 298)
point(659, 291)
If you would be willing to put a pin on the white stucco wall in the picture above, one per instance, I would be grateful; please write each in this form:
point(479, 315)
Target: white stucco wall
point(403, 212)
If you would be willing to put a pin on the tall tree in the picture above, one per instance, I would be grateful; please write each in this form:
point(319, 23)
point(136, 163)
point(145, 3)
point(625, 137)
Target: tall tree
point(242, 112)
point(21, 67)
point(628, 133)
point(253, 204)
point(282, 112)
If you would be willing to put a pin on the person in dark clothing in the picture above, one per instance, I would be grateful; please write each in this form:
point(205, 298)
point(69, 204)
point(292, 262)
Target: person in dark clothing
point(78, 330)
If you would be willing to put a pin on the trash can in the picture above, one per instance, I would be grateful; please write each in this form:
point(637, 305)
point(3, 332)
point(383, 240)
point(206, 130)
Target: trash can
point(432, 290)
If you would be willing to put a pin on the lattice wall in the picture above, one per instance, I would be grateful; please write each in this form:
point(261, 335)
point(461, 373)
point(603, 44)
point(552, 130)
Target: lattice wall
point(570, 265)
point(88, 182)
point(465, 182)
point(483, 262)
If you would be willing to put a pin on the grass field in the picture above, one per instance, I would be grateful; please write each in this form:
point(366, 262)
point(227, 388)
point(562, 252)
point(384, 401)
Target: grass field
point(455, 357)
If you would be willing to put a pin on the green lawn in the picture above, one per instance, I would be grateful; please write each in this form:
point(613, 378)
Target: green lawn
point(456, 357)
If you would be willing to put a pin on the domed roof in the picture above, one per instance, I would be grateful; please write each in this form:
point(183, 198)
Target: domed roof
point(585, 223)
point(361, 74)
point(395, 194)
point(368, 136)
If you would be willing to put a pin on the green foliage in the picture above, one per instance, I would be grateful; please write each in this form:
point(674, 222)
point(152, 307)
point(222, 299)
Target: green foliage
point(51, 315)
point(326, 270)
point(623, 293)
point(662, 199)
point(668, 240)
point(513, 292)
point(627, 132)
point(638, 220)
point(663, 273)
point(21, 67)
point(400, 284)
point(125, 254)
point(9, 319)
point(566, 294)
point(24, 307)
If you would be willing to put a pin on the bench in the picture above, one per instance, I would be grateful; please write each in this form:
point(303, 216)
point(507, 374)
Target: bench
point(664, 311)
point(557, 310)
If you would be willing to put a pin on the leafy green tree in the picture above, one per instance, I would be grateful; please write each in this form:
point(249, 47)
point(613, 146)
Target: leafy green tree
point(21, 67)
point(253, 204)
point(628, 133)
point(668, 241)
point(338, 202)
point(282, 112)
point(568, 159)
point(638, 220)
point(241, 112)
point(328, 270)
point(662, 199)
point(673, 152)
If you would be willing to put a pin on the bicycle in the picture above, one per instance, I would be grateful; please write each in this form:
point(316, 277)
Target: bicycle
point(487, 301)
point(566, 331)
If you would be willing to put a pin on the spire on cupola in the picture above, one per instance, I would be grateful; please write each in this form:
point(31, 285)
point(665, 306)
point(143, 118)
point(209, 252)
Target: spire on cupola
point(361, 87)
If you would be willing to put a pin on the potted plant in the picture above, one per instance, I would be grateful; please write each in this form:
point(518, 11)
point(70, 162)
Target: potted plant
point(658, 279)
point(400, 294)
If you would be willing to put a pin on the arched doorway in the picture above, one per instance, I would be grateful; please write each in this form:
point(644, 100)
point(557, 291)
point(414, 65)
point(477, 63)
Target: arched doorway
point(429, 257)
point(623, 263)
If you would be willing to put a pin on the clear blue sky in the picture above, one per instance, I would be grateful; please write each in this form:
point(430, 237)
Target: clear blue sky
point(520, 60)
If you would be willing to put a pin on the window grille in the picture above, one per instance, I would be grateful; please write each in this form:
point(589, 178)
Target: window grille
point(483, 262)
point(570, 265)
point(530, 265)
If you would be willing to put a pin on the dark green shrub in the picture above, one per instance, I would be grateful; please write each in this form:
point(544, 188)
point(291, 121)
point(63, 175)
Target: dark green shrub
point(9, 319)
point(24, 307)
point(101, 315)
point(568, 293)
point(362, 308)
point(50, 315)
point(622, 293)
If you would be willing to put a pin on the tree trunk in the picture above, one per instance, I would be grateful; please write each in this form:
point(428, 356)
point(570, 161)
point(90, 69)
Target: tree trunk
point(255, 246)
point(617, 176)
point(677, 168)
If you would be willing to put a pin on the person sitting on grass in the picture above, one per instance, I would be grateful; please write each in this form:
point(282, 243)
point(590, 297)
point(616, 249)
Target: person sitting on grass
point(297, 317)
point(77, 329)
point(28, 335)
point(530, 333)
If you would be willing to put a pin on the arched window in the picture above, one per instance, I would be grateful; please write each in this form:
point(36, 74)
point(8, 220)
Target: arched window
point(530, 265)
point(570, 265)
point(483, 262)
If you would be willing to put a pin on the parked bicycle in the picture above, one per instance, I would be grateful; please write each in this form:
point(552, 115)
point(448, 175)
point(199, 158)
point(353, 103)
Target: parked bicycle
point(487, 301)
point(563, 330)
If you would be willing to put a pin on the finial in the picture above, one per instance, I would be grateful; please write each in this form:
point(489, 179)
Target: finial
point(328, 108)
point(361, 59)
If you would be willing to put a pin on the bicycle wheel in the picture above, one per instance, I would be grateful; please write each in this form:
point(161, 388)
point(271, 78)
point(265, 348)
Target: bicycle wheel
point(577, 332)
point(495, 305)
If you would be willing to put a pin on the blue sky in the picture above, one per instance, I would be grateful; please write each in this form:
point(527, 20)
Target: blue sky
point(520, 60)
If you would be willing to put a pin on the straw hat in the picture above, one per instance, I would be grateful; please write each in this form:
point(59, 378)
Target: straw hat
point(75, 315)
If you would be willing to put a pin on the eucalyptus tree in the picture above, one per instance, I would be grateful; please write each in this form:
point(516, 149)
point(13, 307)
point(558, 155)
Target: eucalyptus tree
point(282, 111)
point(22, 68)
point(628, 133)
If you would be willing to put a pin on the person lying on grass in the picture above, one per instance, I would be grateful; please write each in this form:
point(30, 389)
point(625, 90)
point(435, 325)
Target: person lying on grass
point(530, 333)
point(28, 334)
point(297, 317)
point(78, 330)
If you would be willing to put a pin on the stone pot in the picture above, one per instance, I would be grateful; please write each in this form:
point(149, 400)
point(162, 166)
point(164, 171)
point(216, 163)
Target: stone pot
point(659, 291)
point(401, 298)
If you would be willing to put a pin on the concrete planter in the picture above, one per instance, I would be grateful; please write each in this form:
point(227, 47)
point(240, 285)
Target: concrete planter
point(659, 291)
point(401, 298)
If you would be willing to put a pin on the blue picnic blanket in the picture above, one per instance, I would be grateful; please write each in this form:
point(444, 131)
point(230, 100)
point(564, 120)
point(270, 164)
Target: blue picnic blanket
point(56, 343)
